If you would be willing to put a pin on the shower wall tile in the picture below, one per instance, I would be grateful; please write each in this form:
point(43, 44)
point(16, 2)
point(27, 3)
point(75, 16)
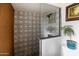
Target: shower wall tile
point(26, 33)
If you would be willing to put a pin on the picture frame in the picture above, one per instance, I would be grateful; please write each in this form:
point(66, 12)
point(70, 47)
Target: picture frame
point(72, 12)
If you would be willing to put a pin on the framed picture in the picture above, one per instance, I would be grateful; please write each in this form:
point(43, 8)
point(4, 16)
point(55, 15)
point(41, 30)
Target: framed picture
point(72, 12)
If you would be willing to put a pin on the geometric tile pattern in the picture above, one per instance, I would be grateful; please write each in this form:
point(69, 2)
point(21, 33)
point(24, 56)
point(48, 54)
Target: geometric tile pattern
point(26, 33)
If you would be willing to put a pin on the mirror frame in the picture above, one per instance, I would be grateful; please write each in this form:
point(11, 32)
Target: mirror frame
point(59, 27)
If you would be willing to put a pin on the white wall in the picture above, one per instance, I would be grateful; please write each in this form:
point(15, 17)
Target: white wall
point(50, 46)
point(75, 24)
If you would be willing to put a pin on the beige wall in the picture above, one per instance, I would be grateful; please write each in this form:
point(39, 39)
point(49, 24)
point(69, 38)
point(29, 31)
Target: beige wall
point(6, 29)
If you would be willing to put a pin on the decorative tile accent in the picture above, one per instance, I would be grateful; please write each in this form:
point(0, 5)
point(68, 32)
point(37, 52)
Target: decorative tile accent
point(26, 33)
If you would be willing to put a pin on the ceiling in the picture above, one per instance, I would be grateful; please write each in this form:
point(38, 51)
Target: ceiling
point(60, 4)
point(26, 6)
point(36, 6)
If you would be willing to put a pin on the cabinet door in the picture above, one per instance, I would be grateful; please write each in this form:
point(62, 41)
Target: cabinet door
point(6, 29)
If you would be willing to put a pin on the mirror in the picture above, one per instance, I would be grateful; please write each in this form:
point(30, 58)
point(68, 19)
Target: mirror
point(50, 21)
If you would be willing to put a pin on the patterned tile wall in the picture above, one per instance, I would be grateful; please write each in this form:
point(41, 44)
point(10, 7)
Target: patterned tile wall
point(26, 33)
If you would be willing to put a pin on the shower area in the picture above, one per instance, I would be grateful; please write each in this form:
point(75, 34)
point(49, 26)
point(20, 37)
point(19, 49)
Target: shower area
point(27, 33)
point(29, 27)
